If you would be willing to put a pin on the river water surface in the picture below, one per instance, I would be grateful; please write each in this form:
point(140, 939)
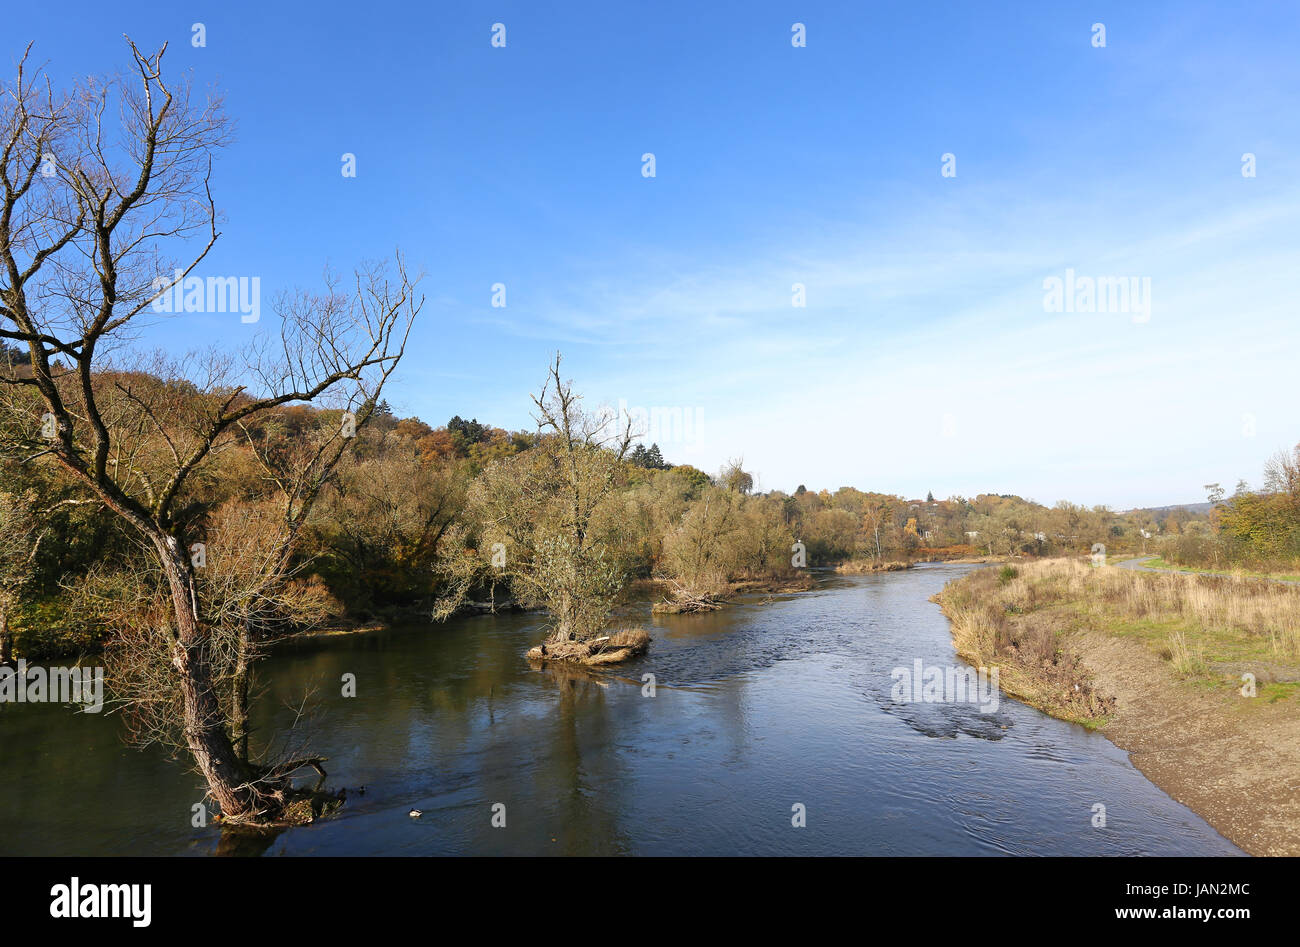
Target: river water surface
point(757, 708)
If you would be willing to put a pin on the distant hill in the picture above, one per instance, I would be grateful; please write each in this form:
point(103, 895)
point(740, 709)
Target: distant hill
point(1196, 508)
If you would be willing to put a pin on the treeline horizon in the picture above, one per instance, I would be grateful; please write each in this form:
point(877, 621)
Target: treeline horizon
point(398, 508)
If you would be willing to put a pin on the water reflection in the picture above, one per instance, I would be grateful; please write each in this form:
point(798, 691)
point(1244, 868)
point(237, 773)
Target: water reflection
point(755, 708)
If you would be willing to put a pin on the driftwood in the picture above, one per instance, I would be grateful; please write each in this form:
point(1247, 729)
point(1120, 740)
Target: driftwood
point(685, 599)
point(604, 650)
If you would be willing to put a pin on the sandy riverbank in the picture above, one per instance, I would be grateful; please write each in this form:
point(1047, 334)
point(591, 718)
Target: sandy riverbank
point(1156, 664)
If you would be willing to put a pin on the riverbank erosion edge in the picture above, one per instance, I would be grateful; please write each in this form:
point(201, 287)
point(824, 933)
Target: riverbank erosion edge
point(1197, 677)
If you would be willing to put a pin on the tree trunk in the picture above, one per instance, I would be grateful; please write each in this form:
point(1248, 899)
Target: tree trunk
point(6, 638)
point(564, 630)
point(239, 697)
point(205, 733)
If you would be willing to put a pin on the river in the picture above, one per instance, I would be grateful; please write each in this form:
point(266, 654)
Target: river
point(757, 709)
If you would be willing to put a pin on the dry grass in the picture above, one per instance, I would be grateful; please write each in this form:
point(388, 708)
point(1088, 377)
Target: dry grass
point(1265, 613)
point(714, 594)
point(1187, 657)
point(1035, 665)
point(790, 580)
point(1207, 627)
point(867, 566)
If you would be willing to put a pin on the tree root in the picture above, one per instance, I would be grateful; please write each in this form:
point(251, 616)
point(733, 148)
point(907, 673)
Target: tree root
point(280, 804)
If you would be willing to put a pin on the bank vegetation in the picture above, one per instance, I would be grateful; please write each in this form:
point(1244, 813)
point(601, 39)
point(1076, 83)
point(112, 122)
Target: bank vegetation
point(1198, 676)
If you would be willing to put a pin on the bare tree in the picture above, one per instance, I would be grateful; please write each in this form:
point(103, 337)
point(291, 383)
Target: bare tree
point(539, 507)
point(733, 476)
point(20, 538)
point(1282, 473)
point(248, 591)
point(98, 187)
point(875, 515)
point(700, 552)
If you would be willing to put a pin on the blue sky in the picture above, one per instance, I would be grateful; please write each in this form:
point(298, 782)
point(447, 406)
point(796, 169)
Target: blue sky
point(924, 358)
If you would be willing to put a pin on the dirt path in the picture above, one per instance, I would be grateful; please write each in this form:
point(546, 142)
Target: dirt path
point(1233, 761)
point(1139, 564)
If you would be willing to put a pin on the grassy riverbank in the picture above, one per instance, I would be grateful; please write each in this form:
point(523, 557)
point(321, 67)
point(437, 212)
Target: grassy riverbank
point(1163, 665)
point(1158, 562)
